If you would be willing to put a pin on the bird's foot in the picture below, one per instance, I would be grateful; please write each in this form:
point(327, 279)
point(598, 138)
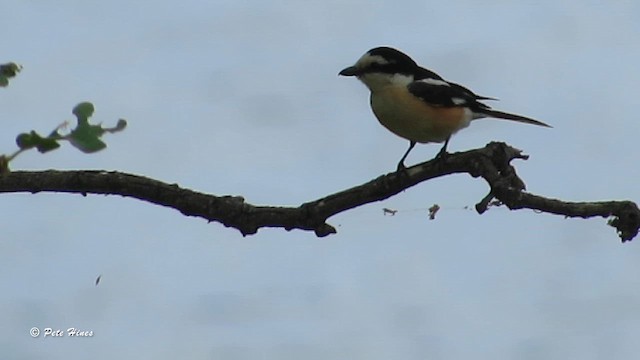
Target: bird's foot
point(441, 155)
point(401, 167)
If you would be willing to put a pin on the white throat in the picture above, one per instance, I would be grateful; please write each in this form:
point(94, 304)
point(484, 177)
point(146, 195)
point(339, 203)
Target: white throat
point(379, 81)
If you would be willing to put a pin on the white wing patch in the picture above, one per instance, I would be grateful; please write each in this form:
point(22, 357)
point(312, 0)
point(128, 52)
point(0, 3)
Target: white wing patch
point(458, 101)
point(437, 82)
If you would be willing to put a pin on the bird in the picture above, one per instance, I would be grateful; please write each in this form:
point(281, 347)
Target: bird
point(416, 103)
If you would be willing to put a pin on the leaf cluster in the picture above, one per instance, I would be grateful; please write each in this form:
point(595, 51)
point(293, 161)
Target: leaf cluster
point(85, 136)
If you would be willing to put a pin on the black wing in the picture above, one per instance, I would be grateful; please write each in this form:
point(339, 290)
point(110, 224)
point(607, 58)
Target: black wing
point(439, 92)
point(422, 74)
point(475, 96)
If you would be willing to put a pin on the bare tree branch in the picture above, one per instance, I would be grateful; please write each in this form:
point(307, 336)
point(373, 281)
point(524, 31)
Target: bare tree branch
point(492, 163)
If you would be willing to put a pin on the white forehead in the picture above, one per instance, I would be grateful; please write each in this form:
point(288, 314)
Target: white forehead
point(367, 59)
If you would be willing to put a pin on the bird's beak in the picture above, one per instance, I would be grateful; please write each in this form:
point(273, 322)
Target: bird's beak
point(350, 71)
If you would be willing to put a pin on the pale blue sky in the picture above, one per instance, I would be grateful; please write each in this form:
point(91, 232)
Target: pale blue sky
point(243, 98)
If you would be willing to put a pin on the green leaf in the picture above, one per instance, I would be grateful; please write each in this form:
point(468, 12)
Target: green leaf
point(83, 112)
point(33, 139)
point(121, 125)
point(25, 141)
point(8, 71)
point(86, 138)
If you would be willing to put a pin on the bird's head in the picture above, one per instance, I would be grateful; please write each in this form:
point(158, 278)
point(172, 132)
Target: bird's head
point(383, 66)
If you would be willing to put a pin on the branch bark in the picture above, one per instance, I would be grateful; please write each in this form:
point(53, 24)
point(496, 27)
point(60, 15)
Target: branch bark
point(492, 163)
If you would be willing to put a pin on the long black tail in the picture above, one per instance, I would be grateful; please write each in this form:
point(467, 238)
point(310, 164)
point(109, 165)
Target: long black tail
point(513, 117)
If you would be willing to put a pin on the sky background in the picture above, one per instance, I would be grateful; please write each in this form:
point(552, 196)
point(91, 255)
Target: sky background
point(243, 98)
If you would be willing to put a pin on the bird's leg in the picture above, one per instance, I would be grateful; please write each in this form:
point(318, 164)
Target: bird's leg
point(443, 152)
point(401, 163)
